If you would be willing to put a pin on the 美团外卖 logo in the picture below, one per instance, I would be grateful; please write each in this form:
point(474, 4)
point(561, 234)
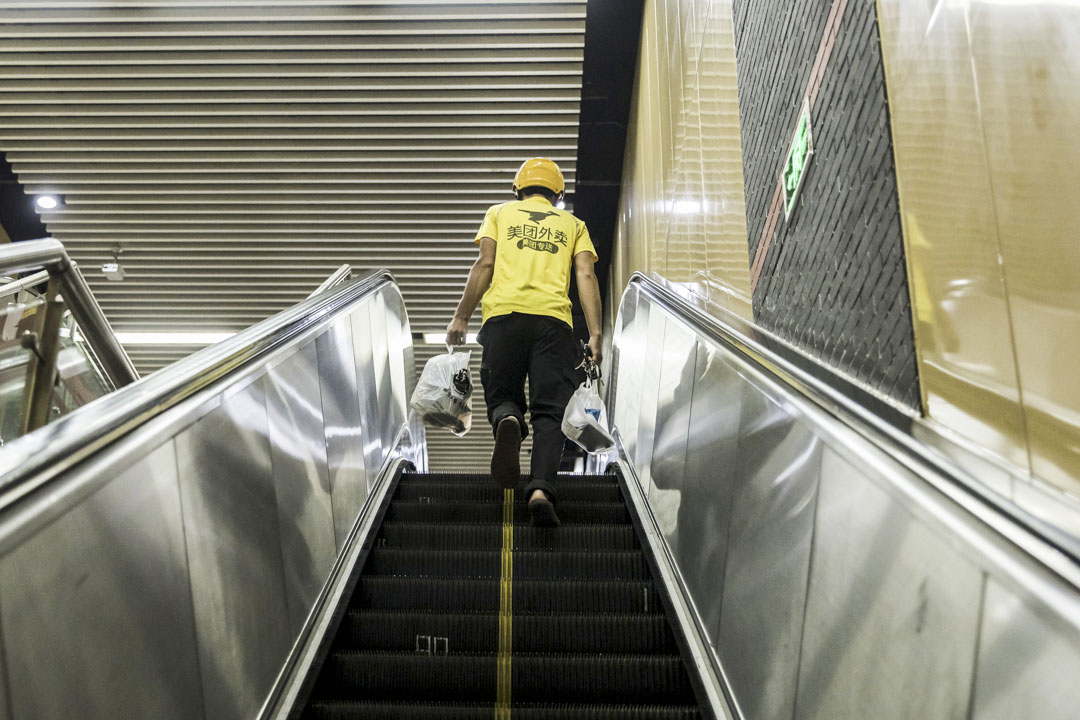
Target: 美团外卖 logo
point(537, 237)
point(538, 216)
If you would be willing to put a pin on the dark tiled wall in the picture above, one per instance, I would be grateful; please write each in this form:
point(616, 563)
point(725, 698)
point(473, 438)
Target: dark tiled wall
point(833, 278)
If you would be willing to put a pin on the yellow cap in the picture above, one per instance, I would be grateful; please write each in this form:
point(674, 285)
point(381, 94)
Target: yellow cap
point(540, 172)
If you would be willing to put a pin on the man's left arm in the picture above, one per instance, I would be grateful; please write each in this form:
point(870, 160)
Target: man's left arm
point(589, 295)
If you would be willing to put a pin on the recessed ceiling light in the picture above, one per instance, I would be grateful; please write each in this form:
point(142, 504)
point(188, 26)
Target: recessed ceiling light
point(47, 202)
point(113, 271)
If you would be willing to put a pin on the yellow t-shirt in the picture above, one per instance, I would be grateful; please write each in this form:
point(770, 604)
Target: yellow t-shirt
point(535, 246)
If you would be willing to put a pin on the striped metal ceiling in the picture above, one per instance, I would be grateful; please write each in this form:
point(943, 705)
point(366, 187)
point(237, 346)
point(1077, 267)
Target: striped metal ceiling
point(237, 153)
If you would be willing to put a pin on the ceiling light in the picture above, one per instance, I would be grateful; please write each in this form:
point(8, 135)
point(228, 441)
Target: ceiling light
point(173, 338)
point(46, 202)
point(113, 271)
point(439, 338)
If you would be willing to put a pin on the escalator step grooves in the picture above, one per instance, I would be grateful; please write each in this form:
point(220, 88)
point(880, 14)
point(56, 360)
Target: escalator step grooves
point(449, 536)
point(644, 679)
point(489, 493)
point(445, 623)
point(350, 710)
point(488, 513)
point(445, 478)
point(393, 676)
point(571, 633)
point(480, 596)
point(527, 565)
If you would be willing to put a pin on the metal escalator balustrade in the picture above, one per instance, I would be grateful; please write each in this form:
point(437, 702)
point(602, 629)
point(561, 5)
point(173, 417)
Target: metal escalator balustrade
point(165, 550)
point(828, 563)
point(463, 610)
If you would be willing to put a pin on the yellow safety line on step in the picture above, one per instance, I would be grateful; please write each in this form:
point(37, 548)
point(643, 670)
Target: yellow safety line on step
point(506, 610)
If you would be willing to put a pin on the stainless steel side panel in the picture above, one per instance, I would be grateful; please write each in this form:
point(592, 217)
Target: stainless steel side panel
point(368, 394)
point(892, 611)
point(342, 425)
point(96, 606)
point(396, 330)
point(777, 467)
point(675, 388)
point(699, 539)
point(301, 479)
point(647, 390)
point(234, 551)
point(835, 570)
point(171, 572)
point(384, 392)
point(1028, 666)
point(630, 344)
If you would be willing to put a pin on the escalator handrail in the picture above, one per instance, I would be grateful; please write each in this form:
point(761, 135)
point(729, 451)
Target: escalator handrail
point(343, 273)
point(859, 409)
point(32, 460)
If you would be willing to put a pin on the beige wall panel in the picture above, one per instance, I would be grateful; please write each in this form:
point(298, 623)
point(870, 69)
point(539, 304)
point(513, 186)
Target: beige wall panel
point(727, 262)
point(1027, 67)
point(962, 325)
point(682, 211)
point(903, 26)
point(984, 107)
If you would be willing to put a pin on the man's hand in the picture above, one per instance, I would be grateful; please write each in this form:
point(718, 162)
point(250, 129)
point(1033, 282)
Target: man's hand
point(596, 348)
point(456, 332)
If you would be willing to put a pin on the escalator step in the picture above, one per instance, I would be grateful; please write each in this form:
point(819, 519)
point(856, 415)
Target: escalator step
point(484, 478)
point(393, 676)
point(527, 565)
point(489, 492)
point(353, 710)
point(477, 537)
point(588, 629)
point(646, 679)
point(483, 513)
point(481, 596)
point(531, 633)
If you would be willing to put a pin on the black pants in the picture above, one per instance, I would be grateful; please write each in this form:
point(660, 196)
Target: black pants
point(545, 350)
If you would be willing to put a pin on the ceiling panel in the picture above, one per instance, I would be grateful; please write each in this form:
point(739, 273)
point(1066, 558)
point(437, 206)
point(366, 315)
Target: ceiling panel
point(235, 155)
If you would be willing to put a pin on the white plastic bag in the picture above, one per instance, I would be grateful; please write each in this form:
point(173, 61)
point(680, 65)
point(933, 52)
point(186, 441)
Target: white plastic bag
point(443, 395)
point(585, 420)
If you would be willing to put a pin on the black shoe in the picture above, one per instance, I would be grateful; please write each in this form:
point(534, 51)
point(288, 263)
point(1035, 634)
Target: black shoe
point(542, 513)
point(505, 458)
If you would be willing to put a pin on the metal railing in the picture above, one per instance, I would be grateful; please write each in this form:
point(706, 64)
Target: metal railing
point(66, 286)
point(23, 283)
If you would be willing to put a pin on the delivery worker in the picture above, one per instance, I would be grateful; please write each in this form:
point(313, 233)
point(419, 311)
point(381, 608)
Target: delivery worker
point(527, 250)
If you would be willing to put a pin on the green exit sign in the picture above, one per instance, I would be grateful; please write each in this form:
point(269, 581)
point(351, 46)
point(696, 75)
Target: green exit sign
point(798, 157)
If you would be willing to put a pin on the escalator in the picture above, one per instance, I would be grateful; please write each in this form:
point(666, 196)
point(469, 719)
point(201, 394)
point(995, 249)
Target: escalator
point(253, 532)
point(463, 609)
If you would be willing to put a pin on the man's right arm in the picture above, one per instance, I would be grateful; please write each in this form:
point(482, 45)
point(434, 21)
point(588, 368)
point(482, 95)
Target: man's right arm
point(478, 283)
